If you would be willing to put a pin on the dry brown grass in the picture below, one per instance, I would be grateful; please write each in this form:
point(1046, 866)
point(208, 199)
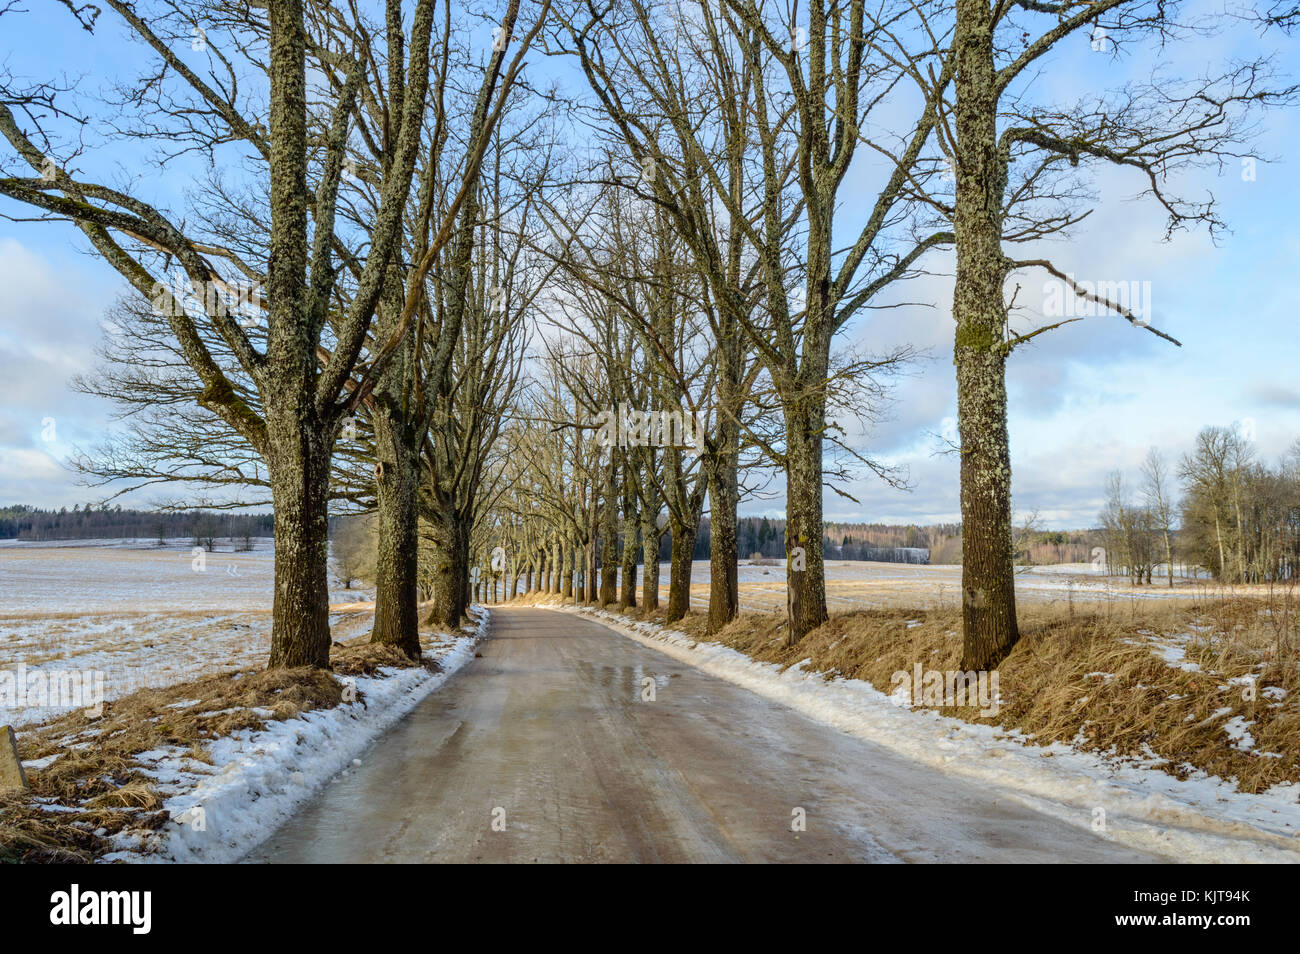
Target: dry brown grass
point(1050, 685)
point(95, 788)
point(360, 658)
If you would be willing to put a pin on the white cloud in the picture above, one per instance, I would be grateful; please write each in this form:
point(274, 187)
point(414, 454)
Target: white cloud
point(49, 326)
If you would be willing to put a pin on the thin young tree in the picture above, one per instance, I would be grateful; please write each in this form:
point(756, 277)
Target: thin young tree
point(1156, 489)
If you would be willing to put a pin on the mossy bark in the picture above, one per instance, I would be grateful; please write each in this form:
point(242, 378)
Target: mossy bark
point(627, 575)
point(608, 539)
point(397, 621)
point(449, 548)
point(299, 463)
point(805, 572)
point(724, 579)
point(649, 562)
point(679, 574)
point(299, 437)
point(980, 351)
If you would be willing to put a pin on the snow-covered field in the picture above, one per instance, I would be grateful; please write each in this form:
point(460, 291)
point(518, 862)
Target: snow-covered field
point(1200, 819)
point(144, 615)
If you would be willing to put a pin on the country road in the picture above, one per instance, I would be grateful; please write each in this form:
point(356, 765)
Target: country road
point(547, 734)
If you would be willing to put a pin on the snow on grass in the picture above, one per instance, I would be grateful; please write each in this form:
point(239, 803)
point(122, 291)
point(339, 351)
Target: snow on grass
point(74, 577)
point(1199, 819)
point(1172, 649)
point(257, 779)
point(1238, 730)
point(35, 765)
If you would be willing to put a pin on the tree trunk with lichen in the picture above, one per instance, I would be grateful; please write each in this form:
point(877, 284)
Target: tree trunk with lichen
point(627, 577)
point(805, 573)
point(299, 435)
point(449, 552)
point(397, 482)
point(298, 459)
point(608, 538)
point(724, 578)
point(723, 479)
point(397, 620)
point(679, 572)
point(649, 562)
point(980, 350)
point(591, 579)
point(566, 570)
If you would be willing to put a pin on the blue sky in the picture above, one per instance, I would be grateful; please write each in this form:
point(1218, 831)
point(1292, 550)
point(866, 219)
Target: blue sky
point(1085, 400)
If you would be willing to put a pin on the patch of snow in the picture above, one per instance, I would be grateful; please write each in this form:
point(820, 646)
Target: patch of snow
point(1238, 730)
point(1174, 654)
point(35, 765)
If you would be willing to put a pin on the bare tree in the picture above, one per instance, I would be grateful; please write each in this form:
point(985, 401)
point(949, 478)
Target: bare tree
point(1015, 160)
point(353, 546)
point(485, 288)
point(447, 215)
point(1156, 491)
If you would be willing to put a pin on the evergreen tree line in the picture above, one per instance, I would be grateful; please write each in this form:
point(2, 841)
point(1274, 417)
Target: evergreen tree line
point(113, 523)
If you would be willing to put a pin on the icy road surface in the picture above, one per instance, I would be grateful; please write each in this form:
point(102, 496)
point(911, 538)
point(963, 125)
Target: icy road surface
point(548, 736)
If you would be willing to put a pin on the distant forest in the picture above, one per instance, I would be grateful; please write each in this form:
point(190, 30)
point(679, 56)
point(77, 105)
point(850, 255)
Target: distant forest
point(764, 538)
point(893, 543)
point(109, 523)
point(761, 537)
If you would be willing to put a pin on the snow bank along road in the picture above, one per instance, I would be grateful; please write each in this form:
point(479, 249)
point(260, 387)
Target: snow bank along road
point(545, 749)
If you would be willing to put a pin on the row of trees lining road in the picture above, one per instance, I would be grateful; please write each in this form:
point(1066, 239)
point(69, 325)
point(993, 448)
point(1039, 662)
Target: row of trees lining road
point(669, 89)
point(745, 143)
point(394, 205)
point(340, 317)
